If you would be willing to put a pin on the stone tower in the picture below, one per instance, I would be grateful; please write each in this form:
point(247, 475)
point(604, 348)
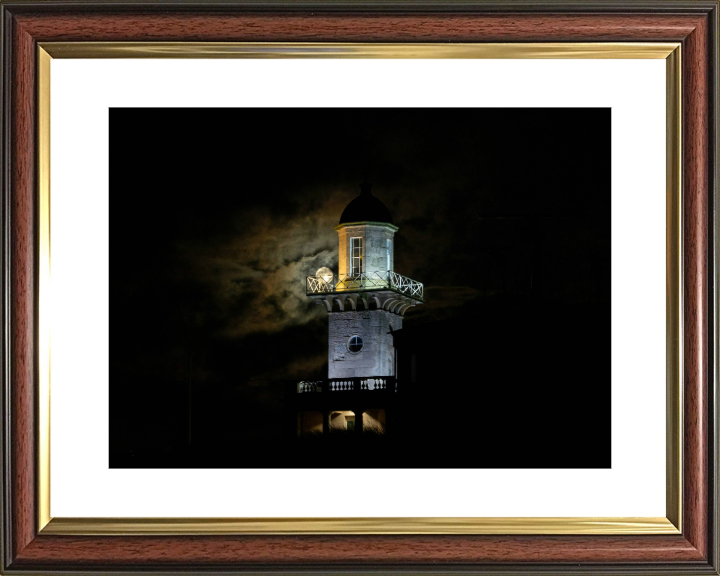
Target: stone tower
point(366, 299)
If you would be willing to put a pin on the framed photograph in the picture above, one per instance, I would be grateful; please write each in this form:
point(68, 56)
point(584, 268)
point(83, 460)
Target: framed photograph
point(381, 287)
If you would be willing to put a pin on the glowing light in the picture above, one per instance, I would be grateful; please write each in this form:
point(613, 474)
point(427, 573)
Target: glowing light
point(325, 274)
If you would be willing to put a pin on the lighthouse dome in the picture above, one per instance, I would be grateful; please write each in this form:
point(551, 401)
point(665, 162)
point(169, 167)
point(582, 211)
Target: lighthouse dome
point(366, 208)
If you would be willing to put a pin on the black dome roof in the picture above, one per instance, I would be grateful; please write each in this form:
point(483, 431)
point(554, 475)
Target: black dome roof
point(366, 208)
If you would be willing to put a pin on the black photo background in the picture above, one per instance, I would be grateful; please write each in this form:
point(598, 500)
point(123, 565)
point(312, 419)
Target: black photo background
point(218, 215)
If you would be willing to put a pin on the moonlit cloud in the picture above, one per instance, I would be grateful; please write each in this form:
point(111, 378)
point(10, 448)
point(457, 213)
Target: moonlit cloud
point(256, 273)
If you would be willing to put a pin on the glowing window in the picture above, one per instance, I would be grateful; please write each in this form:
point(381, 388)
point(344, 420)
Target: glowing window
point(355, 344)
point(356, 256)
point(389, 253)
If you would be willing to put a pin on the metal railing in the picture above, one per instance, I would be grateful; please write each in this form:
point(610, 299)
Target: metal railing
point(347, 385)
point(364, 281)
point(405, 285)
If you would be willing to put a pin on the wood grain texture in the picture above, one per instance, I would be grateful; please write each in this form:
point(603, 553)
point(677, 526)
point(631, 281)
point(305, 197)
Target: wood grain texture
point(357, 27)
point(696, 189)
point(356, 550)
point(22, 292)
point(688, 552)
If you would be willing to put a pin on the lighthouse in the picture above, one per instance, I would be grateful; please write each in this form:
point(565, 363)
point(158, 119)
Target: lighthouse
point(366, 299)
point(365, 302)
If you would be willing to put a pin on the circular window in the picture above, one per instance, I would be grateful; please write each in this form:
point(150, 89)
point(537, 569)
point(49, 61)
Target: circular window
point(355, 344)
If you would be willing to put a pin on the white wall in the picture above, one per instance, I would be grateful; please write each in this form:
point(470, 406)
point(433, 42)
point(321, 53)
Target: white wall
point(373, 326)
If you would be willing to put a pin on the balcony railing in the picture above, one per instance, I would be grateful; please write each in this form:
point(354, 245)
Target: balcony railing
point(347, 385)
point(364, 281)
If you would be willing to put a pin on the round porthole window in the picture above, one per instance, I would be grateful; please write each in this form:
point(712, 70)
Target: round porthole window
point(355, 344)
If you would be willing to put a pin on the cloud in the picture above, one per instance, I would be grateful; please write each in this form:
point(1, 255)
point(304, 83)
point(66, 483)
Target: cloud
point(255, 274)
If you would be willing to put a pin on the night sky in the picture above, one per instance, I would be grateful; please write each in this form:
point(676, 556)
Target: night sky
point(218, 215)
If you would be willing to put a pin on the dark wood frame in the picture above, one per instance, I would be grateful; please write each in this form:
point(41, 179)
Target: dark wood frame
point(24, 24)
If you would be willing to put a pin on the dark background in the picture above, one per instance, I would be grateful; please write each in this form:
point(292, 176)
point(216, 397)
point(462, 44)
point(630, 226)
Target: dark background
point(218, 215)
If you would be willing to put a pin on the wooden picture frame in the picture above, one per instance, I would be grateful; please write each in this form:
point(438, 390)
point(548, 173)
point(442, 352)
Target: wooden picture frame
point(33, 544)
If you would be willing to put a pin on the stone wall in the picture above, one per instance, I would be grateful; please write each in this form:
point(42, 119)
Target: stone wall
point(377, 355)
point(375, 239)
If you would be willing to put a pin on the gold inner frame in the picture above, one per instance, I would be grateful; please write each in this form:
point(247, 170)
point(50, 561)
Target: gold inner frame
point(671, 524)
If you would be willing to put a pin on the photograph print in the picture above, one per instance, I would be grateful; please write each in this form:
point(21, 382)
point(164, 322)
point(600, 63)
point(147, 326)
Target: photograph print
point(360, 288)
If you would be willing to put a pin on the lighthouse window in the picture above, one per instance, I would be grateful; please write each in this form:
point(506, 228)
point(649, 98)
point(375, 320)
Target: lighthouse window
point(356, 256)
point(355, 344)
point(389, 252)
